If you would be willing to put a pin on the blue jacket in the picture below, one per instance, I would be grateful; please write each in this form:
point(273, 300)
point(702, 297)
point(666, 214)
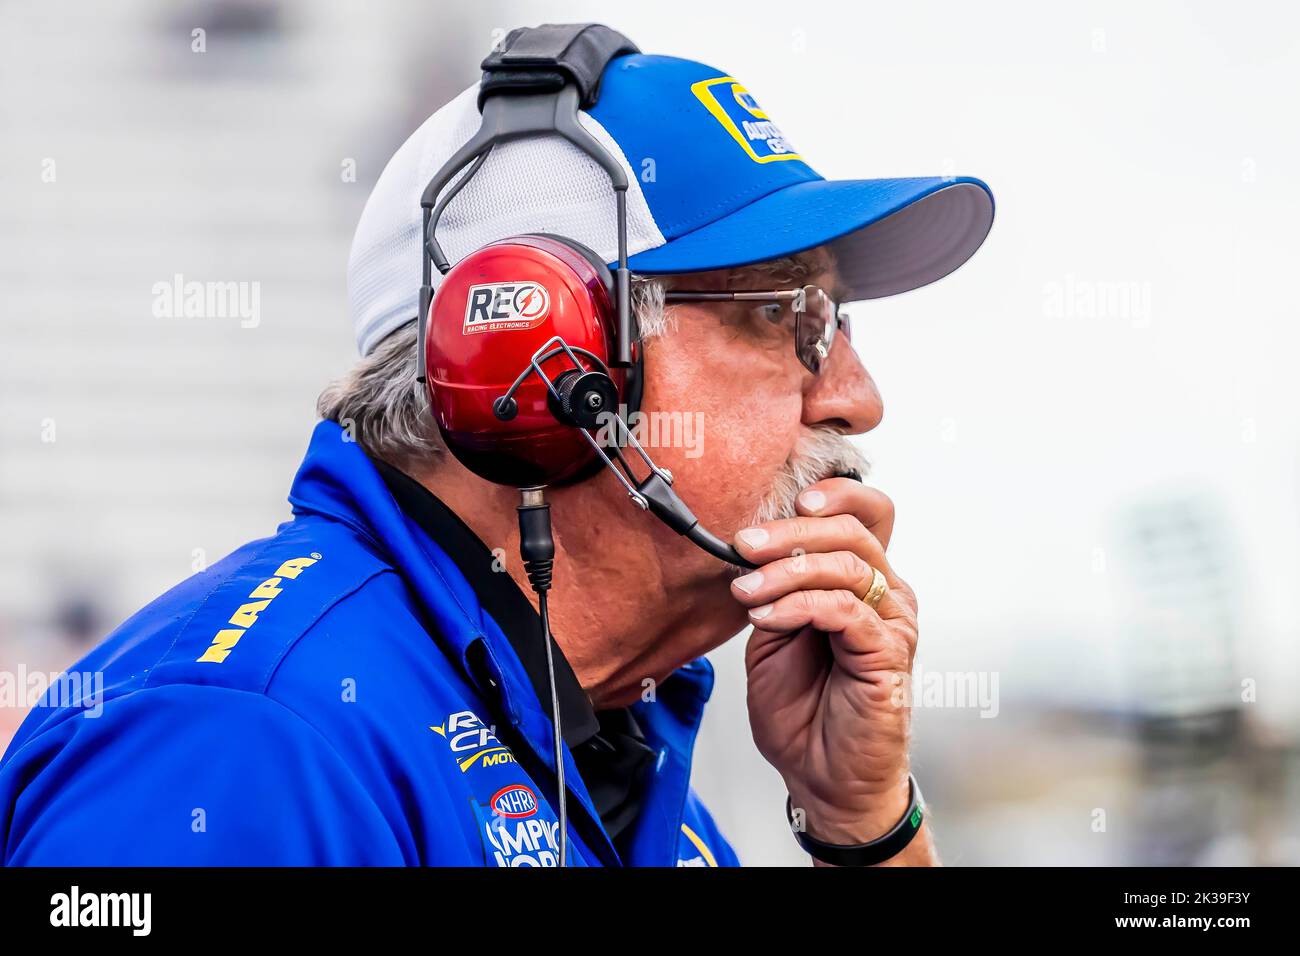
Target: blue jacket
point(329, 696)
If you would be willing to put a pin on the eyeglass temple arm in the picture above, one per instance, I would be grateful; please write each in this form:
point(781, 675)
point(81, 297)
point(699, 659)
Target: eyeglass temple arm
point(779, 295)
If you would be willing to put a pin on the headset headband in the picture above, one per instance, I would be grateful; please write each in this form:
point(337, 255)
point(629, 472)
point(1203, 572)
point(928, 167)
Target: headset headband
point(543, 59)
point(534, 84)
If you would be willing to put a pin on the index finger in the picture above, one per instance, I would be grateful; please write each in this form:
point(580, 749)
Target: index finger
point(832, 496)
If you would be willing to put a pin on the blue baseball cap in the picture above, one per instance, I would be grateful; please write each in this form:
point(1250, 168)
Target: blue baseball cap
point(714, 185)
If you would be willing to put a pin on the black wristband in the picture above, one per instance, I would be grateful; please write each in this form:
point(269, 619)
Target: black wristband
point(866, 854)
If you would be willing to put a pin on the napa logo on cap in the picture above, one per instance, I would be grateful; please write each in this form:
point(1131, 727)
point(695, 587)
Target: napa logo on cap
point(505, 307)
point(740, 115)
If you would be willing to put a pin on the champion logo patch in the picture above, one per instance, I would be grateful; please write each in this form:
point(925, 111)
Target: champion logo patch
point(505, 307)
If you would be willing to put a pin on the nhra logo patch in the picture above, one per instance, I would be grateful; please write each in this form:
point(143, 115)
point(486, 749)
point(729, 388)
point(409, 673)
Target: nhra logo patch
point(740, 115)
point(505, 307)
point(515, 801)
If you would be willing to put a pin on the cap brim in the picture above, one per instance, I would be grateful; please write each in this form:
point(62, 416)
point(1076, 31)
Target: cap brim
point(888, 235)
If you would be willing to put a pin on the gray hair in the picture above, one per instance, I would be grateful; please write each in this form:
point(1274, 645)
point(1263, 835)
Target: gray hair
point(385, 410)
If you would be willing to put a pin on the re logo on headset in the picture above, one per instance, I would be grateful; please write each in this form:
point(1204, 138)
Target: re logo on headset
point(505, 307)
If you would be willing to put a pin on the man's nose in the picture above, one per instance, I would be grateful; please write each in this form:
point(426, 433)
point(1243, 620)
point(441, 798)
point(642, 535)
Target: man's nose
point(843, 396)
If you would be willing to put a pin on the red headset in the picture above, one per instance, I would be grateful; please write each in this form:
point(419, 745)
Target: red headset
point(502, 308)
point(495, 311)
point(529, 343)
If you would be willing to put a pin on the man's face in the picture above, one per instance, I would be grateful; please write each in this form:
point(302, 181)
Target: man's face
point(732, 370)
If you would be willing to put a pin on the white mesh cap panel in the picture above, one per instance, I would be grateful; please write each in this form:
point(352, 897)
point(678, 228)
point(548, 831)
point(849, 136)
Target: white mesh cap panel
point(544, 184)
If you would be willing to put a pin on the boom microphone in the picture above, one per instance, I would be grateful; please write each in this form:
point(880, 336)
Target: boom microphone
point(583, 399)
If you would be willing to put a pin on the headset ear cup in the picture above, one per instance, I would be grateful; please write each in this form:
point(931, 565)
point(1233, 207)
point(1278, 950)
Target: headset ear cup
point(634, 379)
point(491, 314)
point(589, 254)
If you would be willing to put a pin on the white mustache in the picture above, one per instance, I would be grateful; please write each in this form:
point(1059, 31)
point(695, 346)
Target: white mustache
point(821, 453)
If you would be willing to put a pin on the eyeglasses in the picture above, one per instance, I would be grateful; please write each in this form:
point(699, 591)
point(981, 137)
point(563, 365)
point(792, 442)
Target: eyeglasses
point(816, 316)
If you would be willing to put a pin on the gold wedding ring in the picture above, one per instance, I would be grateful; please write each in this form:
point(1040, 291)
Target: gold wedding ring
point(876, 593)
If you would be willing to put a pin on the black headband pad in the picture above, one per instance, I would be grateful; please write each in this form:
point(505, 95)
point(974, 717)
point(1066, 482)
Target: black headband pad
point(543, 59)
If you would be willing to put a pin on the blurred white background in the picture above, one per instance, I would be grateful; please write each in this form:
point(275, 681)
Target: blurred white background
point(1091, 428)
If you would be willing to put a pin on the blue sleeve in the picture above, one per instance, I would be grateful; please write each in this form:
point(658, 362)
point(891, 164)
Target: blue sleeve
point(187, 775)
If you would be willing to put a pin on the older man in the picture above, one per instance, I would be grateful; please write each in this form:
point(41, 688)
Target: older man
point(371, 685)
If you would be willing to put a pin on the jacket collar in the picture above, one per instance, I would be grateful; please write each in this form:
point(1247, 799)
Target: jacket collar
point(338, 481)
point(510, 607)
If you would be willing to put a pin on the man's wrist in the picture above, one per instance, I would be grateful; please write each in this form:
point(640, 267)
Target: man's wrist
point(869, 820)
point(873, 819)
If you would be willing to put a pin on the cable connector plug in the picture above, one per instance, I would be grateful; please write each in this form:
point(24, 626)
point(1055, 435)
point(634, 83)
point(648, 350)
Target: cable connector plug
point(536, 546)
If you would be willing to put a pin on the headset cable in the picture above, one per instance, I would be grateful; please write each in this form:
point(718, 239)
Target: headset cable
point(537, 549)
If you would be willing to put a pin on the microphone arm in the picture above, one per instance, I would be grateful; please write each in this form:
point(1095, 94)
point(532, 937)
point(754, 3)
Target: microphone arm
point(655, 493)
point(665, 505)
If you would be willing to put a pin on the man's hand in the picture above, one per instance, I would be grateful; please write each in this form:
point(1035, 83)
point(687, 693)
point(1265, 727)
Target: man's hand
point(824, 668)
